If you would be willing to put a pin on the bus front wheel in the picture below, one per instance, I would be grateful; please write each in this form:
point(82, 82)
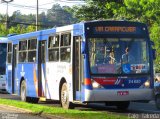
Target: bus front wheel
point(123, 105)
point(23, 91)
point(23, 94)
point(65, 97)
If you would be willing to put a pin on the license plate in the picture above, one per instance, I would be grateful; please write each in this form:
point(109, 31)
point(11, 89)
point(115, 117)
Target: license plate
point(121, 93)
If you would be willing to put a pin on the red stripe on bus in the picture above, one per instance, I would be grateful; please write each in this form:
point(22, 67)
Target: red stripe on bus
point(106, 81)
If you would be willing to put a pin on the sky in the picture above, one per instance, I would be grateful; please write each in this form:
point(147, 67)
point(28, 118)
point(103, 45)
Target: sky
point(29, 6)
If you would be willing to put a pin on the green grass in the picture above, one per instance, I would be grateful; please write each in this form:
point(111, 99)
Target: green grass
point(57, 111)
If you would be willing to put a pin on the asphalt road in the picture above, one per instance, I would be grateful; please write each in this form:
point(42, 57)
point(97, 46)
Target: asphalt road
point(136, 110)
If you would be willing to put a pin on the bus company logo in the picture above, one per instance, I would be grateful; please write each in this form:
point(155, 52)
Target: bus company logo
point(118, 82)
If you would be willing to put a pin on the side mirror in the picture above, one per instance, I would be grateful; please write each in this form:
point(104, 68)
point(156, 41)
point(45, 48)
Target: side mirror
point(154, 53)
point(83, 47)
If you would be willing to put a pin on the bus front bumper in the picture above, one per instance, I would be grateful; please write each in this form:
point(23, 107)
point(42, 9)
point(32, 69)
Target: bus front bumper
point(118, 95)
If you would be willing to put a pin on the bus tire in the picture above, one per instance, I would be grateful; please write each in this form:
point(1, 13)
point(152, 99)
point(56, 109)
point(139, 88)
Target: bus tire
point(23, 94)
point(157, 101)
point(123, 105)
point(64, 97)
point(23, 91)
point(35, 100)
point(32, 100)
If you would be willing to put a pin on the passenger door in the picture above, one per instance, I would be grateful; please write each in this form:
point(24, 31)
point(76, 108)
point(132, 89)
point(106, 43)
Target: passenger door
point(14, 67)
point(77, 65)
point(42, 68)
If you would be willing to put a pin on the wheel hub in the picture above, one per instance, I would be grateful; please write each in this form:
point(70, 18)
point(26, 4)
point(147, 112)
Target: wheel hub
point(64, 96)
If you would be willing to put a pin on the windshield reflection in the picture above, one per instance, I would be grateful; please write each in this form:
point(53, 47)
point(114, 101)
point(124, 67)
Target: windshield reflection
point(116, 56)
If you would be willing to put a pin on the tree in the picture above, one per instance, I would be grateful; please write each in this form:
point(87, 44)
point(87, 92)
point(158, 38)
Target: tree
point(147, 11)
point(19, 29)
point(58, 16)
point(3, 31)
point(97, 9)
point(155, 31)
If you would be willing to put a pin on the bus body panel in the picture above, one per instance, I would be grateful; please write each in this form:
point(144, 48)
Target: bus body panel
point(121, 82)
point(28, 73)
point(9, 78)
point(78, 29)
point(55, 72)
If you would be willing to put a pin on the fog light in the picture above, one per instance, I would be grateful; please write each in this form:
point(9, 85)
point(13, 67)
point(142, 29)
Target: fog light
point(95, 84)
point(147, 84)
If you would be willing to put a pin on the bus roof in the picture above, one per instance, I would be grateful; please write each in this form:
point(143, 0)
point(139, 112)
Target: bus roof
point(43, 34)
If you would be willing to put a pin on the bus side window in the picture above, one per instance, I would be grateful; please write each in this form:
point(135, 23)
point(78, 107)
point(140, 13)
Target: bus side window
point(53, 48)
point(32, 46)
point(22, 57)
point(9, 53)
point(65, 49)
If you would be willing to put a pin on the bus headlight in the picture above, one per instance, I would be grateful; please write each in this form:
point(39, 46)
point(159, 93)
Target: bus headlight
point(95, 84)
point(147, 84)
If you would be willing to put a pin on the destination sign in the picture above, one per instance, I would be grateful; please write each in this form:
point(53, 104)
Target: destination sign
point(103, 29)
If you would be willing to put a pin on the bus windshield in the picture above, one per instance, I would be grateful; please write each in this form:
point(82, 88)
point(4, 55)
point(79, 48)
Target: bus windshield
point(3, 48)
point(118, 55)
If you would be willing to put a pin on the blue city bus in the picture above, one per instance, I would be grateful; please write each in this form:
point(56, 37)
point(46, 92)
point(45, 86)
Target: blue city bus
point(107, 62)
point(3, 54)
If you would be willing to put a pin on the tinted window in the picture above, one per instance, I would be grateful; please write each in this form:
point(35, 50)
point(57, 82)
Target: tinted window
point(22, 51)
point(53, 48)
point(65, 49)
point(9, 55)
point(32, 46)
